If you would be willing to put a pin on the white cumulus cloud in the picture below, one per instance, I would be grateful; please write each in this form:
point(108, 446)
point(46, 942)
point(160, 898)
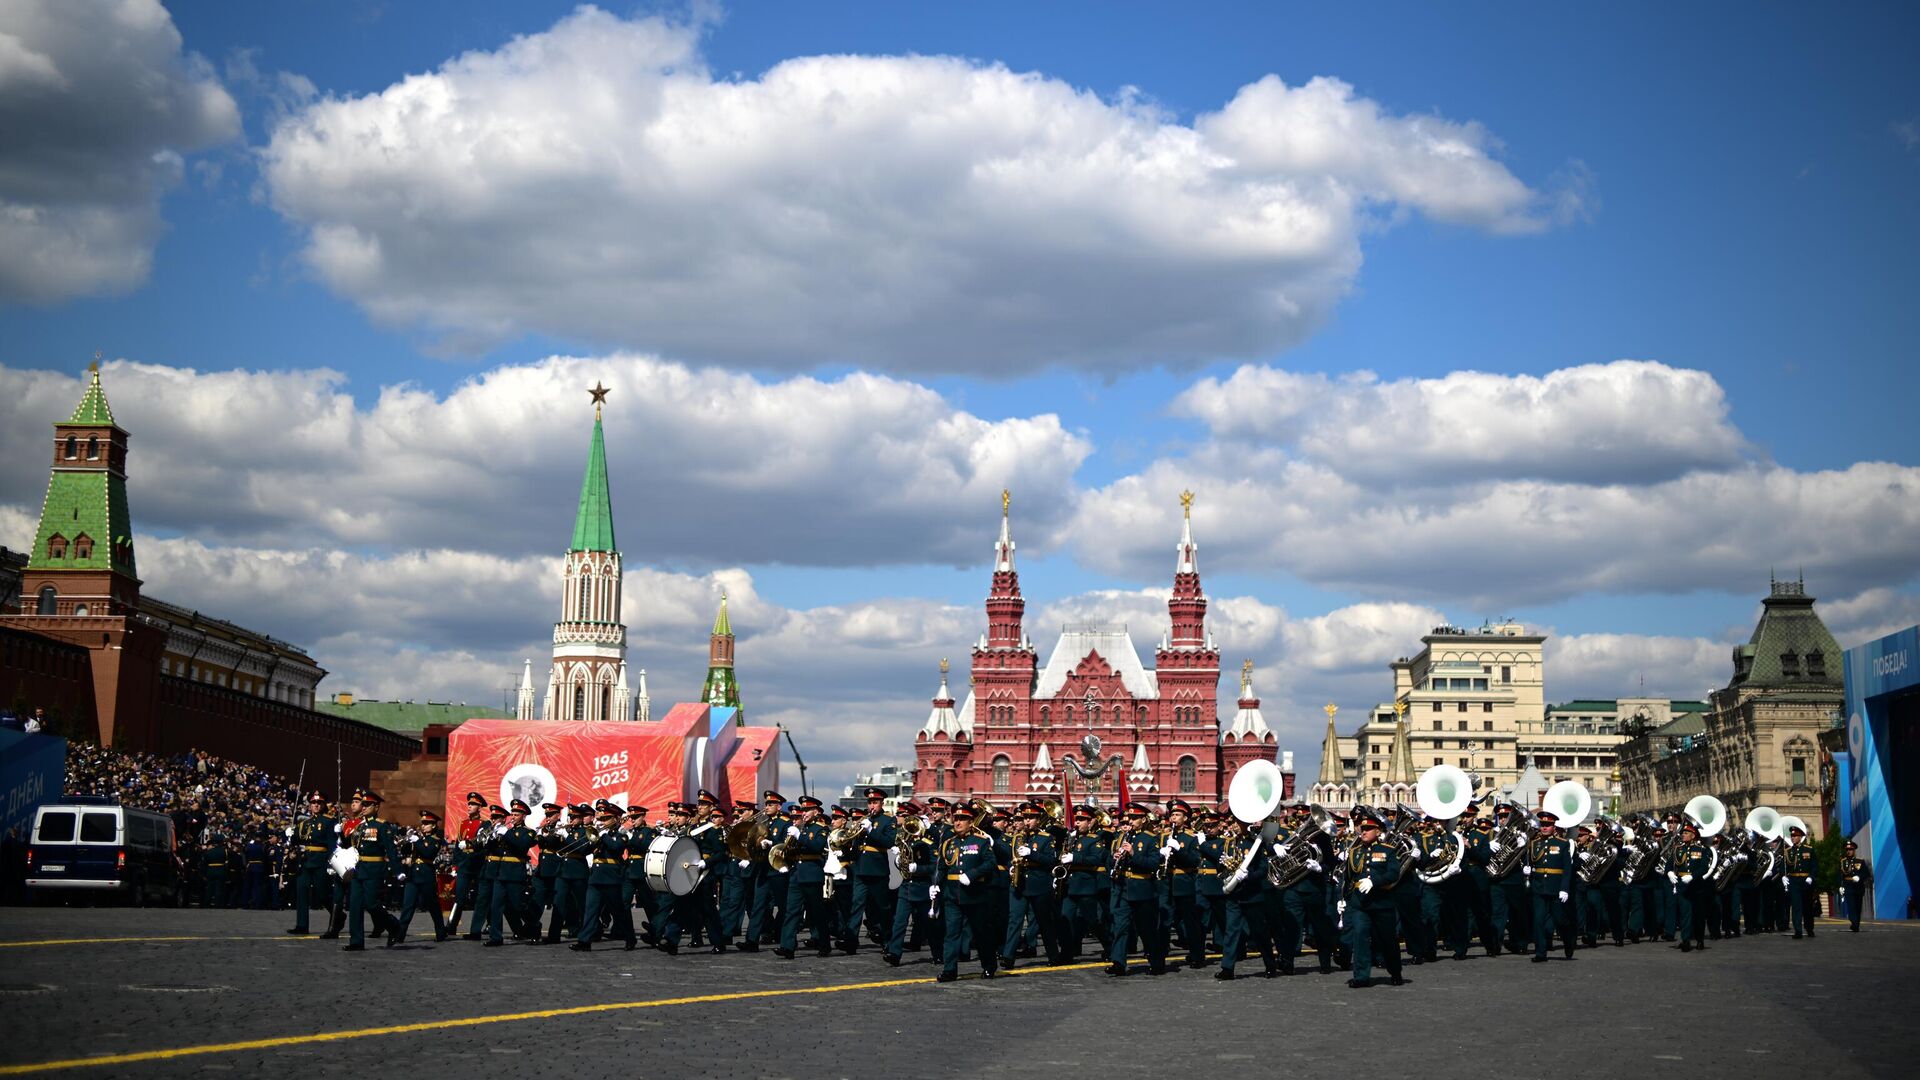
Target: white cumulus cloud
point(916, 213)
point(98, 103)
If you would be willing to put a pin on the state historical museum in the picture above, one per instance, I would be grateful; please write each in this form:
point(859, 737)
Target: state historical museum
point(1019, 733)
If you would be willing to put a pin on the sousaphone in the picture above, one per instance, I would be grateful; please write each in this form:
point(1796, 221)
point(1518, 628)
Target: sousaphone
point(1569, 802)
point(1707, 812)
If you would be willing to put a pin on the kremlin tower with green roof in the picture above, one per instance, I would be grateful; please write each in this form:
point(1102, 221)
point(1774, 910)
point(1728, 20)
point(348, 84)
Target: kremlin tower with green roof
point(588, 680)
point(722, 689)
point(82, 557)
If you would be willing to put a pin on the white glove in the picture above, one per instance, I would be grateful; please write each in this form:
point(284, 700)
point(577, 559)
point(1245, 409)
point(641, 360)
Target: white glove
point(766, 843)
point(1586, 856)
point(1784, 887)
point(793, 831)
point(1313, 865)
point(933, 893)
point(562, 833)
point(1365, 885)
point(290, 836)
point(1526, 871)
point(1340, 906)
point(1673, 877)
point(1067, 858)
point(1686, 879)
point(965, 880)
point(1493, 845)
point(1167, 850)
point(1855, 879)
point(399, 877)
point(336, 826)
point(1024, 851)
point(1563, 896)
point(746, 864)
point(1279, 850)
point(913, 868)
point(1175, 844)
point(1843, 890)
point(866, 824)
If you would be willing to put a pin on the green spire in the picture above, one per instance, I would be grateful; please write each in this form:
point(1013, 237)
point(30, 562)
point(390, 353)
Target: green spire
point(93, 407)
point(593, 525)
point(721, 624)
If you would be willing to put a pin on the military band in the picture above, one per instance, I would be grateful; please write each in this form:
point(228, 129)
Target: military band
point(1361, 893)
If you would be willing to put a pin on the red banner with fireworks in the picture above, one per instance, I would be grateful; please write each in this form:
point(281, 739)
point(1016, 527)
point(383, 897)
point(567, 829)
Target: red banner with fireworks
point(540, 761)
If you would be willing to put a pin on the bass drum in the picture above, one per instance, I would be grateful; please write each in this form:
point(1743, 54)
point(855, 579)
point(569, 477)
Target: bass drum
point(673, 865)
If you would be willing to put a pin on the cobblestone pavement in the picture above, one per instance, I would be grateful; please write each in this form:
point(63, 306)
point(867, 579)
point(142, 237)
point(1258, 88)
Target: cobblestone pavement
point(179, 982)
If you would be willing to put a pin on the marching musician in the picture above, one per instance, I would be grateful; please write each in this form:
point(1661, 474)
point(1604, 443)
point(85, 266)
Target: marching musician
point(1409, 897)
point(374, 840)
point(605, 881)
point(1856, 881)
point(546, 873)
point(872, 899)
point(1086, 905)
point(421, 878)
point(1372, 867)
point(467, 865)
point(840, 902)
point(741, 884)
point(638, 836)
point(807, 839)
point(487, 870)
point(511, 846)
point(313, 843)
point(1692, 890)
point(963, 877)
point(1032, 897)
point(570, 888)
point(910, 908)
point(1801, 865)
point(1246, 902)
point(1549, 873)
point(1303, 903)
point(1207, 894)
point(682, 912)
point(343, 829)
point(1603, 895)
point(1444, 903)
point(1512, 908)
point(1181, 853)
point(1000, 883)
point(1137, 860)
point(770, 896)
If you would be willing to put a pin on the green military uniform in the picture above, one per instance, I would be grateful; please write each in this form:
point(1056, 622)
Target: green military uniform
point(964, 875)
point(570, 888)
point(1801, 865)
point(1207, 849)
point(911, 907)
point(808, 844)
point(1688, 868)
point(422, 880)
point(508, 856)
point(1033, 896)
point(213, 870)
point(604, 882)
point(637, 837)
point(312, 846)
point(1087, 907)
point(1246, 903)
point(374, 840)
point(1138, 906)
point(1856, 883)
point(1372, 868)
point(1549, 871)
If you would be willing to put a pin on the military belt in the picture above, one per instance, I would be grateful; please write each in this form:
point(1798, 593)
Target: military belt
point(1086, 869)
point(809, 858)
point(953, 877)
point(1133, 876)
point(371, 858)
point(1799, 873)
point(1214, 870)
point(505, 858)
point(256, 862)
point(870, 847)
point(315, 847)
point(1183, 870)
point(1550, 870)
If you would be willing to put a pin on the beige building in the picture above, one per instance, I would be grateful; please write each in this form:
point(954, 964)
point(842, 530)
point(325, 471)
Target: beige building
point(1757, 743)
point(1476, 699)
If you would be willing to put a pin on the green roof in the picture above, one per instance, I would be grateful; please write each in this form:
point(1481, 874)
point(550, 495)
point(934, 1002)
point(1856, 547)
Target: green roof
point(408, 717)
point(593, 525)
point(1788, 635)
point(93, 407)
point(1586, 705)
point(1691, 706)
point(721, 625)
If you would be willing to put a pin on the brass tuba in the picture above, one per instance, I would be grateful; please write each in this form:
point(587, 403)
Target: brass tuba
point(909, 831)
point(1302, 847)
point(744, 836)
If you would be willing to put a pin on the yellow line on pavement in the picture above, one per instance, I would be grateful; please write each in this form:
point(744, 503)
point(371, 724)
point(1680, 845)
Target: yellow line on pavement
point(474, 1021)
point(136, 940)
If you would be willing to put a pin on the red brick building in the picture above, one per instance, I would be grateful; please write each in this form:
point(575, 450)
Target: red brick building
point(1018, 734)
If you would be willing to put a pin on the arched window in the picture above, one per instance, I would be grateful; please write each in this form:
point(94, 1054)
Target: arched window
point(939, 778)
point(73, 447)
point(93, 448)
point(49, 601)
point(81, 610)
point(579, 702)
point(1189, 776)
point(606, 701)
point(56, 546)
point(1045, 717)
point(1002, 774)
point(83, 546)
point(1093, 714)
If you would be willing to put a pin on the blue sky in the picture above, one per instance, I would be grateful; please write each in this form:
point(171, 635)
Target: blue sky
point(1731, 190)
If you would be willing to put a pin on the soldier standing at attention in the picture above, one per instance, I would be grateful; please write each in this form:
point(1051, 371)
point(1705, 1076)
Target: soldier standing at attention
point(374, 840)
point(1549, 873)
point(1856, 878)
point(1798, 880)
point(422, 880)
point(313, 841)
point(1373, 865)
point(963, 876)
point(807, 839)
point(511, 849)
point(604, 882)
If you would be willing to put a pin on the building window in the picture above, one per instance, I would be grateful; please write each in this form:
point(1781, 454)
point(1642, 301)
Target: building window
point(1463, 706)
point(579, 703)
point(1799, 772)
point(1506, 674)
point(1439, 761)
point(1463, 725)
point(1486, 725)
point(56, 546)
point(1486, 706)
point(1439, 725)
point(1479, 684)
point(1002, 775)
point(83, 546)
point(1466, 763)
point(49, 601)
point(1436, 706)
point(1046, 715)
point(1817, 664)
point(93, 448)
point(606, 701)
point(73, 447)
point(1189, 776)
point(1376, 766)
point(1489, 764)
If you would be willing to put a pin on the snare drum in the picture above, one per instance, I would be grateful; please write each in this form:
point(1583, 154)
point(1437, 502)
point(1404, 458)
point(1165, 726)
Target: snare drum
point(674, 865)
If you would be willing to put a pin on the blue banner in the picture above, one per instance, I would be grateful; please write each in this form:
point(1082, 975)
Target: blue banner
point(33, 769)
point(1878, 673)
